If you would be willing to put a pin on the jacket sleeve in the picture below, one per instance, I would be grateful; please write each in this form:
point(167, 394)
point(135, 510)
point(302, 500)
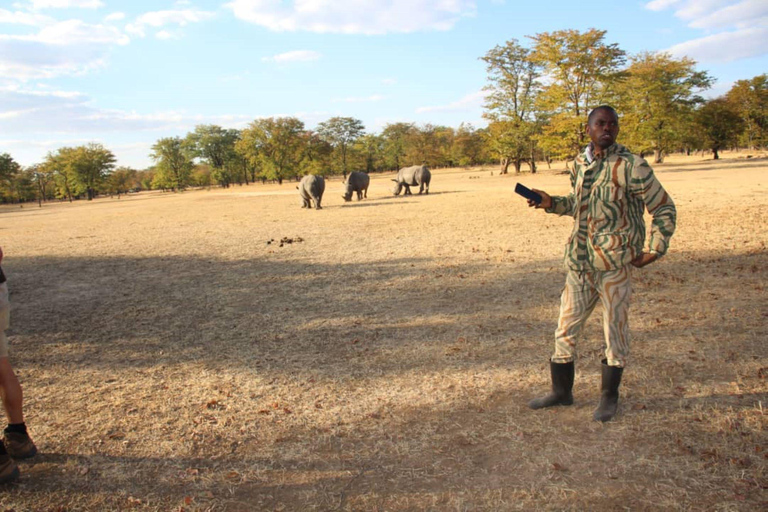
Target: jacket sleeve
point(565, 205)
point(644, 185)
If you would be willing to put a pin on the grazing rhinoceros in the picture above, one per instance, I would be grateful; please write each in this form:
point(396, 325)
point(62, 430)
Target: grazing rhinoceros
point(412, 176)
point(311, 188)
point(357, 182)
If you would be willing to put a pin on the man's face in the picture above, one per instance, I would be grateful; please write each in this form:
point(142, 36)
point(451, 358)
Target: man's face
point(603, 128)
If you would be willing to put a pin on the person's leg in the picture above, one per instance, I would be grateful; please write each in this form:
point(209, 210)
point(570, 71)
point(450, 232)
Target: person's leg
point(11, 392)
point(17, 441)
point(576, 304)
point(615, 292)
point(10, 389)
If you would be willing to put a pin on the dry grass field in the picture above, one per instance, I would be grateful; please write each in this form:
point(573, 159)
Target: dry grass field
point(173, 359)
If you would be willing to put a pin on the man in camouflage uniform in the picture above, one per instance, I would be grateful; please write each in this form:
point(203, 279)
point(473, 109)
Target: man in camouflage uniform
point(611, 188)
point(16, 443)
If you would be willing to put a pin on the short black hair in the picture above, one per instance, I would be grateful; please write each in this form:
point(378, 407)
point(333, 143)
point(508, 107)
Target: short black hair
point(602, 107)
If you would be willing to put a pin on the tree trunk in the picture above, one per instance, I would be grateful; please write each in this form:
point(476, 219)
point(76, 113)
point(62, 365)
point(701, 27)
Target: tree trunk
point(504, 165)
point(658, 156)
point(518, 164)
point(714, 151)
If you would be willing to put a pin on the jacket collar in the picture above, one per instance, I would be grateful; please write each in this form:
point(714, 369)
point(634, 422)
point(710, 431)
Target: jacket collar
point(587, 157)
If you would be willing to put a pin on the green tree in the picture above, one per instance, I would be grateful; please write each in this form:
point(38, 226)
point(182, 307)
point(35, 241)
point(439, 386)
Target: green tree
point(216, 146)
point(174, 164)
point(92, 163)
point(276, 146)
point(658, 93)
point(750, 99)
point(511, 102)
point(43, 180)
point(341, 133)
point(80, 170)
point(425, 145)
point(369, 150)
point(23, 186)
point(201, 176)
point(468, 145)
point(145, 178)
point(584, 71)
point(720, 125)
point(120, 181)
point(396, 136)
point(318, 153)
point(59, 165)
point(9, 170)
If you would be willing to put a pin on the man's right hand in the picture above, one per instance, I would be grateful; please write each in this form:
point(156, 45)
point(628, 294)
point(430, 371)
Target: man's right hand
point(546, 200)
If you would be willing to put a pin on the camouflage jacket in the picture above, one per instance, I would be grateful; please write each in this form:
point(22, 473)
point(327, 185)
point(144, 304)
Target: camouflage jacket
point(608, 198)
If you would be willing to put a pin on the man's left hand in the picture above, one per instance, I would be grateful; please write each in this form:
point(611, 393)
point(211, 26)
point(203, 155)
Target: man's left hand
point(644, 259)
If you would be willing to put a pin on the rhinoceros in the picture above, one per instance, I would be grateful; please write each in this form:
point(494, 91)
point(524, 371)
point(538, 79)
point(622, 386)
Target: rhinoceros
point(356, 182)
point(311, 188)
point(412, 176)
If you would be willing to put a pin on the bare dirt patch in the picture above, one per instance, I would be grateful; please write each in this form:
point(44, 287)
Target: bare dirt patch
point(172, 359)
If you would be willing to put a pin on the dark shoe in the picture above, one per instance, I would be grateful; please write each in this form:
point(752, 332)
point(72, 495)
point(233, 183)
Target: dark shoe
point(609, 394)
point(562, 384)
point(9, 471)
point(19, 445)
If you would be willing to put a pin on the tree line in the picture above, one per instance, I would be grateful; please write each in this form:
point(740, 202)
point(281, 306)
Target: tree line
point(536, 104)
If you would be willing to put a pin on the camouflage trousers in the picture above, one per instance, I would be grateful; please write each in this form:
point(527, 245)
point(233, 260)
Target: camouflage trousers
point(5, 318)
point(579, 298)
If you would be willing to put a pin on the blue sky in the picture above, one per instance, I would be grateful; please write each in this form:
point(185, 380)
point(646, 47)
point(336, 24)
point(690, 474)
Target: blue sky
point(126, 73)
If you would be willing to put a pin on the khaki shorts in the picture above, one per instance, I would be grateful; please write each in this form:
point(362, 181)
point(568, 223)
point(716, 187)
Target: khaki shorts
point(5, 318)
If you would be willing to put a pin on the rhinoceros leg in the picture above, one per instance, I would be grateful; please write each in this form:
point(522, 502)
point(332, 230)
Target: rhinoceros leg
point(407, 190)
point(317, 202)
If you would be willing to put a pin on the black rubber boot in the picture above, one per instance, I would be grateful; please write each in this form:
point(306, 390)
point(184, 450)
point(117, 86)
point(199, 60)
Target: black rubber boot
point(562, 384)
point(609, 393)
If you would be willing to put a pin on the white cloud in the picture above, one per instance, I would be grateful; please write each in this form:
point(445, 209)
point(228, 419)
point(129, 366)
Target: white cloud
point(72, 32)
point(165, 35)
point(43, 111)
point(735, 29)
point(660, 5)
point(743, 14)
point(26, 60)
point(58, 48)
point(389, 81)
point(65, 4)
point(725, 46)
point(366, 99)
point(294, 56)
point(353, 16)
point(24, 18)
point(159, 19)
point(468, 102)
point(115, 16)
